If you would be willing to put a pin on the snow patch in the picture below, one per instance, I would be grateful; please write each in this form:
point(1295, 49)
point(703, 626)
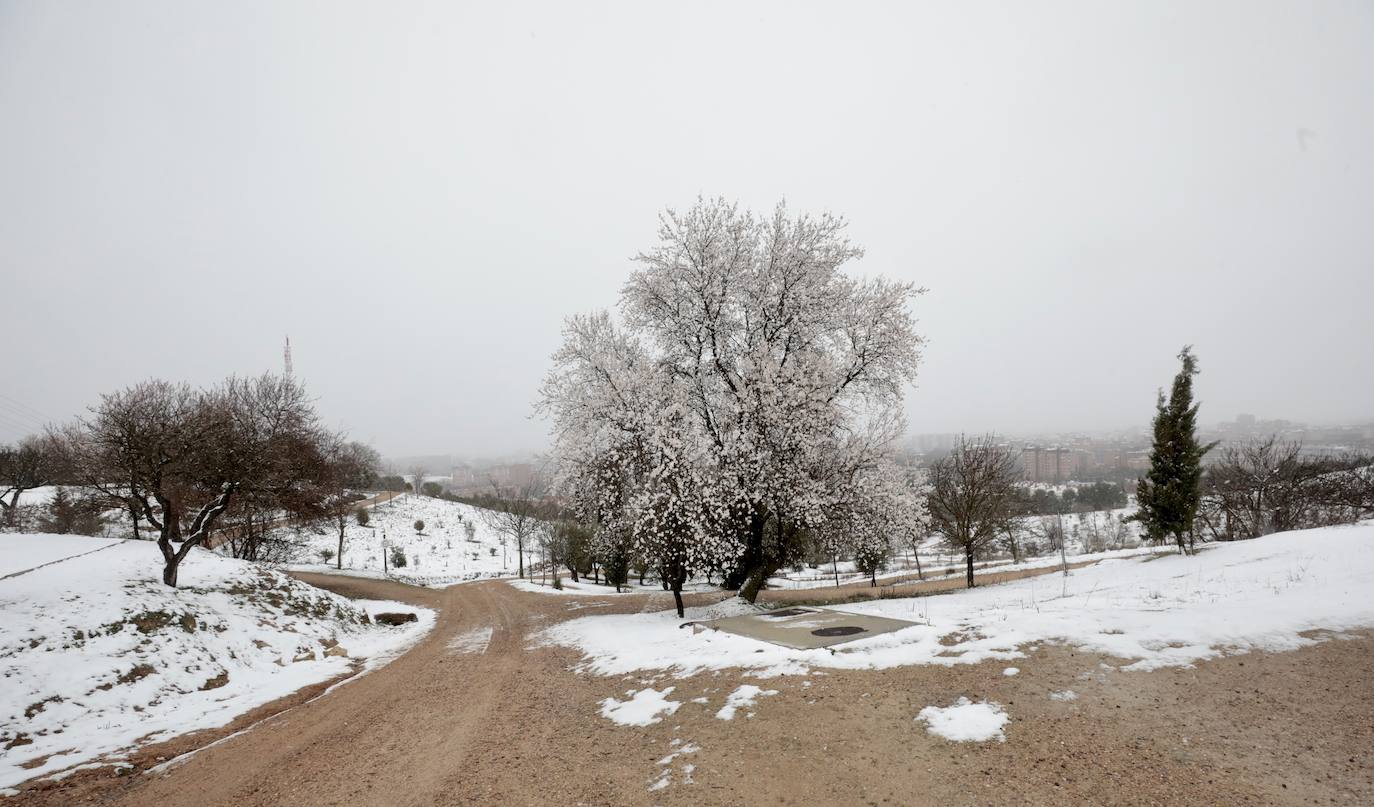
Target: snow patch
point(966, 721)
point(644, 707)
point(742, 698)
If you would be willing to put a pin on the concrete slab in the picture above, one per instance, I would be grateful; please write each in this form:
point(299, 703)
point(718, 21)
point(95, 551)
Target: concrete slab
point(806, 628)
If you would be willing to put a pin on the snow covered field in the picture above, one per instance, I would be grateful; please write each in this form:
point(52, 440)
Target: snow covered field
point(542, 584)
point(19, 556)
point(1152, 611)
point(456, 544)
point(97, 655)
point(1086, 536)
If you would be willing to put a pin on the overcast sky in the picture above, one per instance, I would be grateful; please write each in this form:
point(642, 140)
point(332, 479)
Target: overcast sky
point(419, 193)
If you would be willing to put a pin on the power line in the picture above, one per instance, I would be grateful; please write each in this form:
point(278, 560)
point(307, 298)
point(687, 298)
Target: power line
point(17, 428)
point(19, 415)
point(23, 407)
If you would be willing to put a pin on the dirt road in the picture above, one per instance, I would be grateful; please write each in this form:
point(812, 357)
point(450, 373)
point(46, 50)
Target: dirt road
point(505, 724)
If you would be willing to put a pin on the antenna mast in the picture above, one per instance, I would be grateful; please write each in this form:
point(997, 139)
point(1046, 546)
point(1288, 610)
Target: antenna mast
point(286, 356)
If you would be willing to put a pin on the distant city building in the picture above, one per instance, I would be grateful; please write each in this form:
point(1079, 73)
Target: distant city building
point(1051, 463)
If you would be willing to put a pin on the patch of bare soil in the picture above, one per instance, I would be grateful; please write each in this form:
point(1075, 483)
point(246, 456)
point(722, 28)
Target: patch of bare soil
point(513, 725)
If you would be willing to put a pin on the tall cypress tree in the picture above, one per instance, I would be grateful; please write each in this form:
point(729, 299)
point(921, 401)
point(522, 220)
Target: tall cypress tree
point(1169, 495)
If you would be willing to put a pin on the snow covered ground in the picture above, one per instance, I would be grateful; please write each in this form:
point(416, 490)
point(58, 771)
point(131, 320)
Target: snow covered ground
point(18, 556)
point(37, 497)
point(97, 655)
point(541, 584)
point(1087, 536)
point(456, 544)
point(1150, 610)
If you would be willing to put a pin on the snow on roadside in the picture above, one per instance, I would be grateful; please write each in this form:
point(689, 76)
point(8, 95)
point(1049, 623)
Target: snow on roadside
point(583, 588)
point(742, 698)
point(644, 707)
point(569, 588)
point(966, 721)
point(97, 655)
point(1157, 610)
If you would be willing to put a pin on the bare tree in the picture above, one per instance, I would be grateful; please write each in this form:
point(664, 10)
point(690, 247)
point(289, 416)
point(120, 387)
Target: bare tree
point(517, 515)
point(971, 491)
point(30, 464)
point(417, 477)
point(1268, 486)
point(183, 455)
point(352, 467)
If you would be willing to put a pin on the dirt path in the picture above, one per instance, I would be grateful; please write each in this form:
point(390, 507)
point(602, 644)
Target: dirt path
point(909, 587)
point(513, 725)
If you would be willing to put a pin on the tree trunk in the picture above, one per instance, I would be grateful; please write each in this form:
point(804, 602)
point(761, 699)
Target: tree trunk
point(968, 557)
point(343, 525)
point(572, 570)
point(873, 578)
point(520, 550)
point(756, 581)
point(917, 554)
point(133, 513)
point(679, 577)
point(753, 557)
point(835, 568)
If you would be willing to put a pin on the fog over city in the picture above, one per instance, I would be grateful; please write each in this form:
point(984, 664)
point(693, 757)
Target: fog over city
point(418, 196)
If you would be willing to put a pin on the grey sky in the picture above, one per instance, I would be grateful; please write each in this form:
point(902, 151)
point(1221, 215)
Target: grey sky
point(418, 193)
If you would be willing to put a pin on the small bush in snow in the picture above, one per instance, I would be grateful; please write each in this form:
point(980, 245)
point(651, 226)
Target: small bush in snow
point(363, 517)
point(326, 554)
point(419, 525)
point(398, 557)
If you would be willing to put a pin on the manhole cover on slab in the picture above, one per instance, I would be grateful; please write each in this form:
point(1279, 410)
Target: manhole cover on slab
point(839, 630)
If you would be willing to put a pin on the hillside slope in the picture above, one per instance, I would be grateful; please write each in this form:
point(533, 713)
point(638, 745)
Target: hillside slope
point(455, 545)
point(97, 655)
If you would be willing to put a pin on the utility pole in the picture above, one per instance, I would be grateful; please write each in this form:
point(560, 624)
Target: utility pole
point(1063, 539)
